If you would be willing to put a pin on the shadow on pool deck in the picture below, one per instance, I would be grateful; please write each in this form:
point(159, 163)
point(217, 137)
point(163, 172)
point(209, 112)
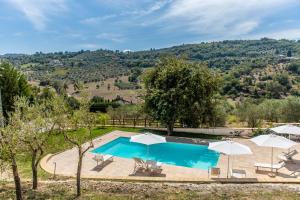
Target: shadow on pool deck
point(100, 167)
point(147, 174)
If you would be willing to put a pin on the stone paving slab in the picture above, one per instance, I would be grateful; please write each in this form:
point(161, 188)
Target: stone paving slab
point(122, 168)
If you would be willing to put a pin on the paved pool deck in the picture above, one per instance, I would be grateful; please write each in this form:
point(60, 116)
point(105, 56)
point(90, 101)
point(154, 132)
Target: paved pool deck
point(122, 168)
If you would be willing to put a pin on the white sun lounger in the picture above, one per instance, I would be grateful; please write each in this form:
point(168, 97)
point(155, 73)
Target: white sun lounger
point(139, 164)
point(103, 158)
point(290, 153)
point(288, 157)
point(238, 173)
point(265, 165)
point(154, 167)
point(153, 164)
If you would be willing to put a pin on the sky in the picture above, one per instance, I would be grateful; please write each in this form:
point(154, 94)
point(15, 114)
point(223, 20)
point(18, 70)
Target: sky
point(29, 26)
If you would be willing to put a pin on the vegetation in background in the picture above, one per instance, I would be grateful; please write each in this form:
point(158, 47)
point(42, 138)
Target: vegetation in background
point(99, 104)
point(126, 86)
point(249, 67)
point(250, 113)
point(270, 110)
point(135, 74)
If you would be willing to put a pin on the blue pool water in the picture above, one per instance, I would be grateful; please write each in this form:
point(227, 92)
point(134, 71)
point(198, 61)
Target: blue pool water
point(186, 155)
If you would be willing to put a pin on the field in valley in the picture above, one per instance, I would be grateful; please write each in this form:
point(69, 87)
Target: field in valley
point(108, 90)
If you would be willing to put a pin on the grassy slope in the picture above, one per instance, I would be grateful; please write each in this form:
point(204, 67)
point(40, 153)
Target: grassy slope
point(67, 191)
point(57, 144)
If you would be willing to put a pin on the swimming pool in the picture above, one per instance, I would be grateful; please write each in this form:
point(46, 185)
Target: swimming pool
point(186, 155)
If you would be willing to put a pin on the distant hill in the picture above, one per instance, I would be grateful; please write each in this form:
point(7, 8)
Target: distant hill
point(249, 67)
point(12, 55)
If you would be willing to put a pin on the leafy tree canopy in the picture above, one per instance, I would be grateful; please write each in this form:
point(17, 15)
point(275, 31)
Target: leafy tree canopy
point(177, 89)
point(12, 84)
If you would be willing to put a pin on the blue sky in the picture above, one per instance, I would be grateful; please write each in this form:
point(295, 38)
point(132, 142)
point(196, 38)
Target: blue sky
point(27, 26)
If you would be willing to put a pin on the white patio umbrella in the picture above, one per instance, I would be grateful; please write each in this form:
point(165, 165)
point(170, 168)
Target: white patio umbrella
point(148, 139)
point(287, 129)
point(272, 141)
point(229, 148)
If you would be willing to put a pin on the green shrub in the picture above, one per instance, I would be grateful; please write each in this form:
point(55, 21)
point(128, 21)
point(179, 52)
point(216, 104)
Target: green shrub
point(258, 132)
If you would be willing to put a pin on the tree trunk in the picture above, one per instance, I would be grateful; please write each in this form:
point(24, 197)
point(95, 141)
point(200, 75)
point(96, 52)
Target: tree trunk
point(170, 128)
point(16, 179)
point(134, 122)
point(34, 170)
point(78, 175)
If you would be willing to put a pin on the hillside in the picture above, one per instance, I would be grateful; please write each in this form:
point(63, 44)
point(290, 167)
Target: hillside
point(255, 68)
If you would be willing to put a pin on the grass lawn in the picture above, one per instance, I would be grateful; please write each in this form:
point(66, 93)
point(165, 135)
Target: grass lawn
point(57, 143)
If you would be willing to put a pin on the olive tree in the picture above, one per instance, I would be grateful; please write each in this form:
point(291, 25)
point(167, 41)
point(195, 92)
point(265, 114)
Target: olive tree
point(79, 119)
point(271, 110)
point(103, 119)
point(291, 109)
point(250, 112)
point(11, 146)
point(38, 123)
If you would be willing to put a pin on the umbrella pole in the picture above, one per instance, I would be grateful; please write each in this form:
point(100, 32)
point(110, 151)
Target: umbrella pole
point(272, 162)
point(289, 139)
point(271, 174)
point(228, 167)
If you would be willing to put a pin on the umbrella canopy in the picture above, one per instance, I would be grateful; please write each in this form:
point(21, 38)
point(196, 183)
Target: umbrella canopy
point(287, 129)
point(230, 148)
point(148, 139)
point(272, 140)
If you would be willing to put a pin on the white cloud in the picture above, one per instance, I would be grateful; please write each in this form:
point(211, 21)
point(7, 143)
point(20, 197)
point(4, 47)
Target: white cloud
point(18, 34)
point(111, 36)
point(133, 11)
point(96, 20)
point(292, 34)
point(89, 46)
point(156, 6)
point(220, 17)
point(39, 11)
